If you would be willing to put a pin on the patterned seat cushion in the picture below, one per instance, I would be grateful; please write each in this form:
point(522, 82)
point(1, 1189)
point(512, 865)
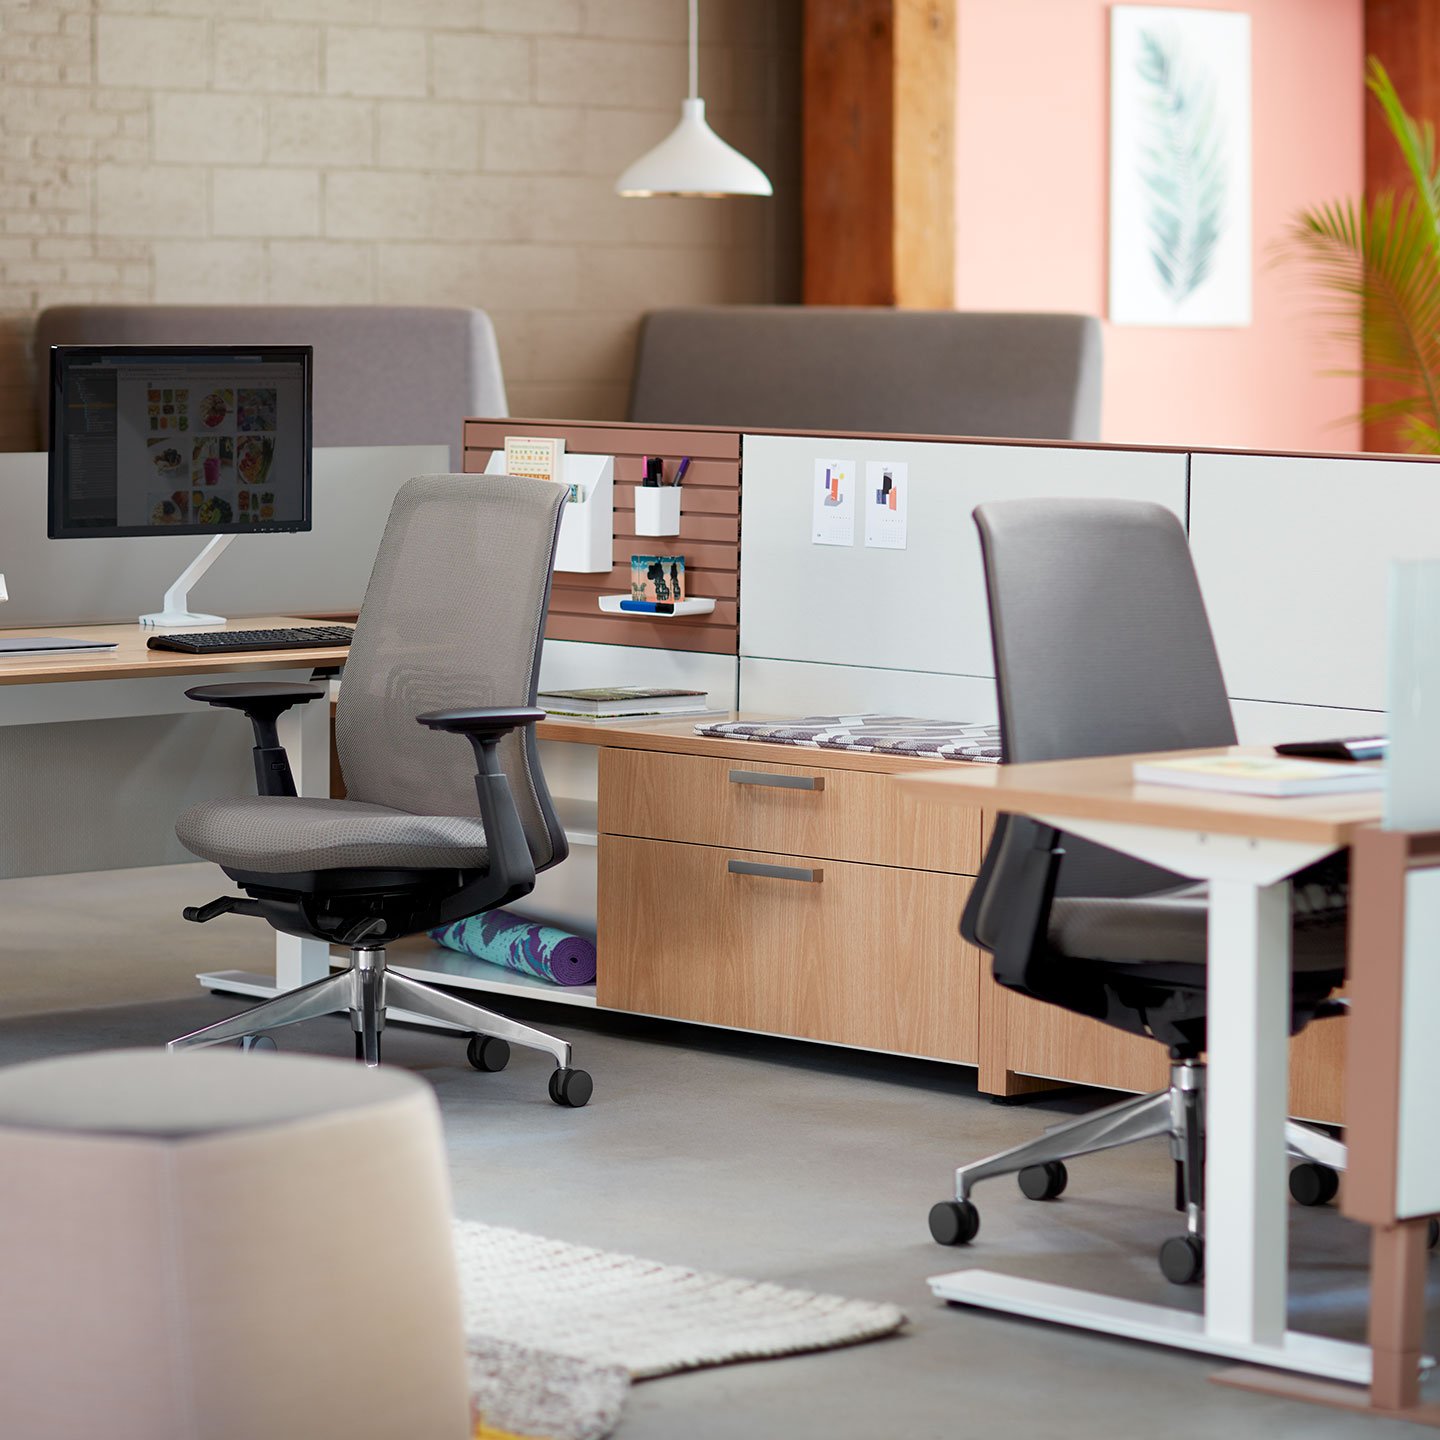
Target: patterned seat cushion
point(280, 834)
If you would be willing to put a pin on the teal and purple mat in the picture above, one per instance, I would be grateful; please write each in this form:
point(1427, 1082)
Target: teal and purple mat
point(503, 938)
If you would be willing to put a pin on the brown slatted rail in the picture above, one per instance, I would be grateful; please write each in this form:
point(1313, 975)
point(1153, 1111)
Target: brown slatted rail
point(709, 536)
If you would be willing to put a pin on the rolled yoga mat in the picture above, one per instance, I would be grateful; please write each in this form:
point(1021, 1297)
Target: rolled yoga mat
point(519, 944)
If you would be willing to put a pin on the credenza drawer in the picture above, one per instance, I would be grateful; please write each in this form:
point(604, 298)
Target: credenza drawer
point(800, 809)
point(864, 955)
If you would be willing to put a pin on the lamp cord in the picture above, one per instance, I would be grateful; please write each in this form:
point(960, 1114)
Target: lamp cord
point(694, 49)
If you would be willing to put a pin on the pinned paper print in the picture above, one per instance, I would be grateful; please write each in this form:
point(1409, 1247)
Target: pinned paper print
point(887, 494)
point(832, 519)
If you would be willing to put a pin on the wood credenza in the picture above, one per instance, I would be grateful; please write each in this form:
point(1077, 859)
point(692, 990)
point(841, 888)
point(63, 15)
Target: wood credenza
point(800, 892)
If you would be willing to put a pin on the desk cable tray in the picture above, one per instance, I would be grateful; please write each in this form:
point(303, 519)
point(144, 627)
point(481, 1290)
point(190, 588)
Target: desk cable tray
point(872, 733)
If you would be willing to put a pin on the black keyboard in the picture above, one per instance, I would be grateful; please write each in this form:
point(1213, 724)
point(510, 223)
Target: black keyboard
point(224, 642)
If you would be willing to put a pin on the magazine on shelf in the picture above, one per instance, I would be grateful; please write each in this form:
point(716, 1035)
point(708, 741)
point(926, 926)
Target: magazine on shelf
point(608, 701)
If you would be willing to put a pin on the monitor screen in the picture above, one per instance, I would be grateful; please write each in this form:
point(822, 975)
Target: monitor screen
point(187, 440)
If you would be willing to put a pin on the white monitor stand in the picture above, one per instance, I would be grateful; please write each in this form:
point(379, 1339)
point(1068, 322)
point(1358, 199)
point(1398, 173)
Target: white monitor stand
point(175, 608)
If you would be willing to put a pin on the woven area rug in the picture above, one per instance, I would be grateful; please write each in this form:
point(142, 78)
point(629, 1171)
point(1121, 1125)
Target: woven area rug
point(557, 1332)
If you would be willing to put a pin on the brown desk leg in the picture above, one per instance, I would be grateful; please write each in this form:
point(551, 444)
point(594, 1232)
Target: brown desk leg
point(1397, 1312)
point(1397, 1337)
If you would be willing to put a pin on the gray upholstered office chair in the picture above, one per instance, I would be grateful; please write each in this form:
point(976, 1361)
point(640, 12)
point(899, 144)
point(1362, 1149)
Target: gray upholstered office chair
point(451, 627)
point(1102, 647)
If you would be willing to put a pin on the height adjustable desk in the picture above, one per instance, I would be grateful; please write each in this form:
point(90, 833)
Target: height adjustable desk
point(1245, 847)
point(133, 680)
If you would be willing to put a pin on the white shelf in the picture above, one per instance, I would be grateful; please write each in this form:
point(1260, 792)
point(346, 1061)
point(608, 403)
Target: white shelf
point(610, 604)
point(580, 819)
point(412, 959)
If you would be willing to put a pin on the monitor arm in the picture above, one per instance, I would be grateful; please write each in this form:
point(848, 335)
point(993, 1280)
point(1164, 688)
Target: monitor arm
point(175, 609)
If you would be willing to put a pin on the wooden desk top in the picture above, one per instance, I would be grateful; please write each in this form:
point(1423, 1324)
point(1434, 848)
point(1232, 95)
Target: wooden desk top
point(678, 737)
point(132, 658)
point(1104, 789)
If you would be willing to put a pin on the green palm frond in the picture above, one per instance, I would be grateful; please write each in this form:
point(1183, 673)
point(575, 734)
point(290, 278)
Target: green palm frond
point(1378, 260)
point(1182, 170)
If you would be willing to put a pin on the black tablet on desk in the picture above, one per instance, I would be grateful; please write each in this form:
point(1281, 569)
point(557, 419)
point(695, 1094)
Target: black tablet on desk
point(1355, 747)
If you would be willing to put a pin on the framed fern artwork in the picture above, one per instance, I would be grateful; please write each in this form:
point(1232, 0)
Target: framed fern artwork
point(1180, 246)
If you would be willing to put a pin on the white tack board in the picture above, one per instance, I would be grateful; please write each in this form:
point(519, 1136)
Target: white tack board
point(922, 608)
point(1293, 555)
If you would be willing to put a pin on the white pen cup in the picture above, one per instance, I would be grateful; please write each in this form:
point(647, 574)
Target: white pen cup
point(657, 509)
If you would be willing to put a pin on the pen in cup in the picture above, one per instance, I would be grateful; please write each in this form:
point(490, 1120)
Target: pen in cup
point(680, 470)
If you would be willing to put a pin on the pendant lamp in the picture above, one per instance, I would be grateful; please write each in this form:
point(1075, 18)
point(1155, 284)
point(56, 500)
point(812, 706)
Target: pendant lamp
point(692, 159)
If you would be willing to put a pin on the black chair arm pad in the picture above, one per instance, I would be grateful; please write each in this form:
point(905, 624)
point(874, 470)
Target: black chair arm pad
point(480, 725)
point(259, 696)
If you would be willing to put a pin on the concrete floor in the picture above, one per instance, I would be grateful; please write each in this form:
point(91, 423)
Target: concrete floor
point(779, 1161)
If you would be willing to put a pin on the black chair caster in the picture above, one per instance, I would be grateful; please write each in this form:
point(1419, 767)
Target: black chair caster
point(488, 1052)
point(954, 1222)
point(1044, 1182)
point(260, 1042)
point(1312, 1184)
point(1182, 1259)
point(571, 1088)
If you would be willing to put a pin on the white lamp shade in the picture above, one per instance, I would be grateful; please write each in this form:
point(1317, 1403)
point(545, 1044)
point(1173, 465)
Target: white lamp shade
point(693, 160)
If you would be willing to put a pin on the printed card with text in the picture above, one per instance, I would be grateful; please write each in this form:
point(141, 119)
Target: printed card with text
point(887, 497)
point(832, 514)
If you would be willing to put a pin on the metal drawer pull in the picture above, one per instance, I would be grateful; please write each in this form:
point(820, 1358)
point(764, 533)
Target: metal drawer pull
point(777, 782)
point(775, 872)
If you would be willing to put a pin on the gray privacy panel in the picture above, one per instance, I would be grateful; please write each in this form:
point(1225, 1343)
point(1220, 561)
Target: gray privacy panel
point(52, 582)
point(104, 794)
point(922, 608)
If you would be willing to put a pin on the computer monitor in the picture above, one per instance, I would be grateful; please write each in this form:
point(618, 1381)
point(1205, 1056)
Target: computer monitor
point(187, 440)
point(179, 440)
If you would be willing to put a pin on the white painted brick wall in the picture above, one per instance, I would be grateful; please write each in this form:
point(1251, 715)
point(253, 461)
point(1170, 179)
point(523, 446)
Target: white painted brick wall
point(441, 152)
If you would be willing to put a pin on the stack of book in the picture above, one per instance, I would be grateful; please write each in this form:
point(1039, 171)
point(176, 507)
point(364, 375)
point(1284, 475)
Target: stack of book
point(624, 702)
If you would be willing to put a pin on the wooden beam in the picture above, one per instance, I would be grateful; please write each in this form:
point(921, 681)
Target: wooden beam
point(879, 153)
point(1405, 36)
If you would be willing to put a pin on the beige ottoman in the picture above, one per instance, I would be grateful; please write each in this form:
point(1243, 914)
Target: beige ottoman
point(217, 1246)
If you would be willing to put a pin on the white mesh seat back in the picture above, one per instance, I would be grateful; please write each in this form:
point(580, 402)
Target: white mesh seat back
point(1102, 647)
point(453, 618)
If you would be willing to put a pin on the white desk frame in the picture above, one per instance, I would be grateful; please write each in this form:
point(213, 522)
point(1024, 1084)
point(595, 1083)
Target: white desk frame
point(1245, 1184)
point(304, 731)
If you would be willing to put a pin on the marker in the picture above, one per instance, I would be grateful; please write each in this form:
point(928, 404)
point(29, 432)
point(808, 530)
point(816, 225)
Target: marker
point(680, 469)
point(649, 607)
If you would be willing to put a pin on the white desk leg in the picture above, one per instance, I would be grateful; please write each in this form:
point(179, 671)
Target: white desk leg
point(1249, 984)
point(305, 734)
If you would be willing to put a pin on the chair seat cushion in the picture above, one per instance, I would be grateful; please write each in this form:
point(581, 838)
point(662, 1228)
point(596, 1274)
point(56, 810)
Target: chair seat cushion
point(282, 835)
point(1170, 928)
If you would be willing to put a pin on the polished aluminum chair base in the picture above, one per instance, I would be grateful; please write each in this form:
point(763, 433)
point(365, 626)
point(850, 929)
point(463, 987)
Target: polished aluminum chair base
point(365, 990)
point(1177, 1114)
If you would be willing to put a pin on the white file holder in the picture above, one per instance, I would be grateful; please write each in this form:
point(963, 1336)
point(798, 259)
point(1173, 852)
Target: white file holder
point(587, 527)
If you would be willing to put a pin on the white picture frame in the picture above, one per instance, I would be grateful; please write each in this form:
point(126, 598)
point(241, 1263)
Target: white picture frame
point(1180, 167)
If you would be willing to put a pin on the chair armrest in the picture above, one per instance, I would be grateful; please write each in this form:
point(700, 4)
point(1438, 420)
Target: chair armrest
point(262, 702)
point(512, 866)
point(481, 724)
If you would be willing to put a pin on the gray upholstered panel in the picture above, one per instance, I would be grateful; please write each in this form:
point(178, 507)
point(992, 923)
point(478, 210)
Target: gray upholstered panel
point(384, 374)
point(824, 370)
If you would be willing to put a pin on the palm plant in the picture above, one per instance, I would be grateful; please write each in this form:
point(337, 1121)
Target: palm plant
point(1379, 261)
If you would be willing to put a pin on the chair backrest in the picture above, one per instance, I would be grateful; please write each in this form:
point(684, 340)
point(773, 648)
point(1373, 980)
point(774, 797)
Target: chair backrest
point(1102, 647)
point(827, 369)
point(384, 374)
point(454, 617)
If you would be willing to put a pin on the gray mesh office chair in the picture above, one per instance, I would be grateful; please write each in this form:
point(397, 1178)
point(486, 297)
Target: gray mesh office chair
point(1102, 647)
point(453, 621)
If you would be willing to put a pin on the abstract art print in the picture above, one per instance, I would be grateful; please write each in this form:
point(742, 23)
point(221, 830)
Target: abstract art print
point(1180, 247)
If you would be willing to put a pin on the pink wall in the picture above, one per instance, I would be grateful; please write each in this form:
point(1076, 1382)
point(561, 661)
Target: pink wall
point(1032, 195)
